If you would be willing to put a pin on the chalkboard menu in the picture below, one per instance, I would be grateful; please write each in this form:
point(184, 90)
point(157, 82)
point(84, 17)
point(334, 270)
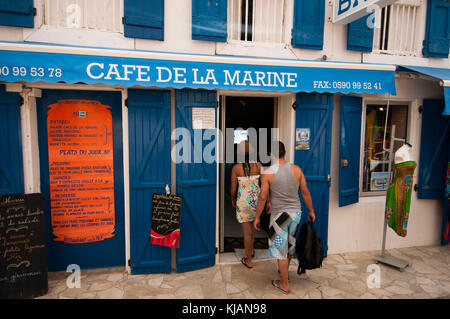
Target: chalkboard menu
point(166, 210)
point(23, 261)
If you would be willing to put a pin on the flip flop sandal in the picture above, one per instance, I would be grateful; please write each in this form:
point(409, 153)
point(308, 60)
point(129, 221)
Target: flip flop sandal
point(244, 262)
point(276, 284)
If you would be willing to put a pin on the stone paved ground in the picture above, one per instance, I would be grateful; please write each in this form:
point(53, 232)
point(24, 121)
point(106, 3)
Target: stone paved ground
point(341, 276)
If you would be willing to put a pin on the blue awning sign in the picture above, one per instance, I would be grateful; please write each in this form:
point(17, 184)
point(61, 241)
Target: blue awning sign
point(442, 74)
point(150, 69)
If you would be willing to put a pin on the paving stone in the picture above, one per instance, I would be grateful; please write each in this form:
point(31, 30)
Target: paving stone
point(191, 292)
point(115, 277)
point(433, 289)
point(113, 293)
point(232, 289)
point(87, 295)
point(328, 291)
point(398, 290)
point(99, 286)
point(155, 282)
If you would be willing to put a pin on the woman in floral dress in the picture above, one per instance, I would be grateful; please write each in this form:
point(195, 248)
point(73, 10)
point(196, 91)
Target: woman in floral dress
point(245, 181)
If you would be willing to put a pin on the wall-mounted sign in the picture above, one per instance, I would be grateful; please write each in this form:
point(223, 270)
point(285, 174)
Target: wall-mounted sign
point(165, 229)
point(203, 118)
point(23, 260)
point(81, 171)
point(302, 138)
point(346, 11)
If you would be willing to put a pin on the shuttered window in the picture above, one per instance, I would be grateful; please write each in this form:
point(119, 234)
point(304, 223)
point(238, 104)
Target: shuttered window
point(349, 150)
point(209, 20)
point(360, 35)
point(11, 165)
point(434, 144)
point(437, 36)
point(17, 13)
point(144, 19)
point(309, 17)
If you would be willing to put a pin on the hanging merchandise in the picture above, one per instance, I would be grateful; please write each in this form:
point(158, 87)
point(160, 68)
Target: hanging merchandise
point(398, 199)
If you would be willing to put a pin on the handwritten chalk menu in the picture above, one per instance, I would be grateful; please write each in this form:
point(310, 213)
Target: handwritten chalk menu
point(81, 171)
point(166, 210)
point(23, 260)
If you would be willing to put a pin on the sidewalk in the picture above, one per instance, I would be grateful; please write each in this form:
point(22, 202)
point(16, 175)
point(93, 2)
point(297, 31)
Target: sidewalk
point(341, 276)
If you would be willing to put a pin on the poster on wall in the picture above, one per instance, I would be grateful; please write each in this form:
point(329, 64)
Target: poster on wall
point(203, 118)
point(165, 229)
point(81, 171)
point(23, 260)
point(302, 139)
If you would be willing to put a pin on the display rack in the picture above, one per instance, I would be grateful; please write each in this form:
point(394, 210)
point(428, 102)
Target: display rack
point(383, 258)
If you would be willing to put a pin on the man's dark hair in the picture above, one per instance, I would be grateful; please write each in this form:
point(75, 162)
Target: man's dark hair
point(278, 146)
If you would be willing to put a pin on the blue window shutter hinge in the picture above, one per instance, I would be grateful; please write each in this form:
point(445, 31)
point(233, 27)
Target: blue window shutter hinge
point(129, 262)
point(126, 102)
point(34, 12)
point(21, 101)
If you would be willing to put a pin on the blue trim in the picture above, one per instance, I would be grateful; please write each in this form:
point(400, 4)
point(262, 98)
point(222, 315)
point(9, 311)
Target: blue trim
point(11, 161)
point(209, 20)
point(359, 35)
point(315, 111)
point(437, 32)
point(144, 19)
point(150, 171)
point(196, 182)
point(17, 13)
point(434, 144)
point(349, 149)
point(308, 29)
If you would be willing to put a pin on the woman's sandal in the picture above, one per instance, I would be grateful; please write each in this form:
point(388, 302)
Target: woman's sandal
point(276, 284)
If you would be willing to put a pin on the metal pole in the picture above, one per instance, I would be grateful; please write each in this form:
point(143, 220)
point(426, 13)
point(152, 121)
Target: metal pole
point(391, 149)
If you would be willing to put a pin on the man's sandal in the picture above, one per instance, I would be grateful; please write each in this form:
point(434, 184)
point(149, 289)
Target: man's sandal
point(244, 262)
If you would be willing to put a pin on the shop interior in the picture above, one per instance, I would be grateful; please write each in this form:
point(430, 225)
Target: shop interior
point(240, 114)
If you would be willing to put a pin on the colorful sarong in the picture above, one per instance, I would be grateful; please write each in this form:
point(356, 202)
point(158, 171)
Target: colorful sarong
point(398, 199)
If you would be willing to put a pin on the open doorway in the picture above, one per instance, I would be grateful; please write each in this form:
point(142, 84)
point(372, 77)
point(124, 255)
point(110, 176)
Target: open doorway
point(241, 113)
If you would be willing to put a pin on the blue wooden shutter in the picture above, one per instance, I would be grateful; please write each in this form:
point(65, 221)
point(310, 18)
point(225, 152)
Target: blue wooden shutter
point(144, 19)
point(209, 20)
point(309, 17)
point(437, 34)
point(149, 147)
point(11, 165)
point(360, 35)
point(349, 149)
point(17, 13)
point(434, 144)
point(315, 111)
point(196, 182)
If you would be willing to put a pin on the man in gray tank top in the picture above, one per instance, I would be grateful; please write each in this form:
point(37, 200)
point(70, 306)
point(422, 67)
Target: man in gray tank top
point(279, 187)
